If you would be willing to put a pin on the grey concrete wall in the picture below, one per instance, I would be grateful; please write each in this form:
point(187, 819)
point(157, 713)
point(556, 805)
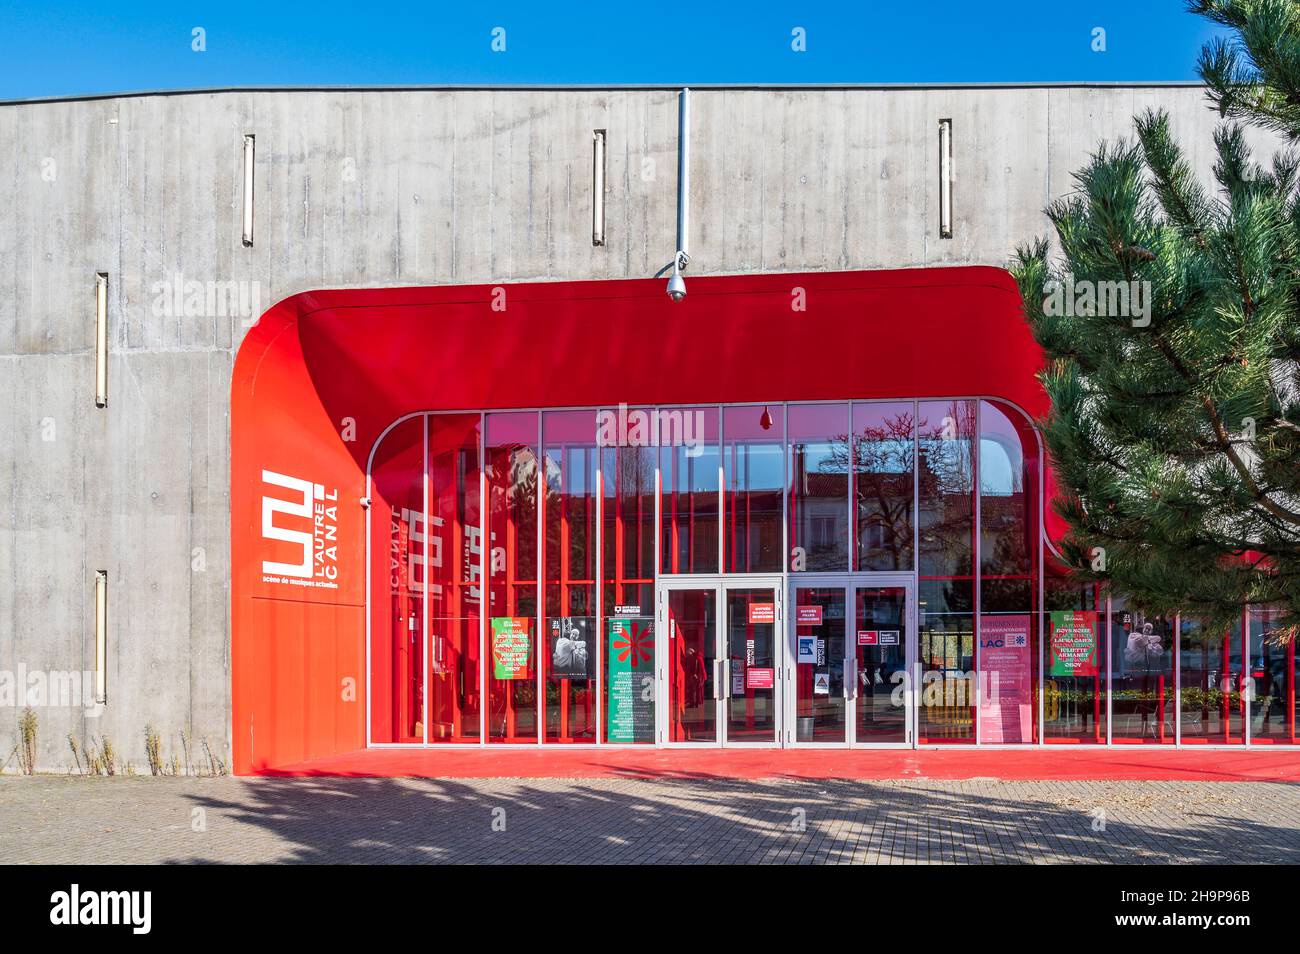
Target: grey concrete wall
point(369, 188)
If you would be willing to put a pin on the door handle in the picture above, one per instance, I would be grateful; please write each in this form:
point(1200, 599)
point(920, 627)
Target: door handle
point(851, 678)
point(717, 679)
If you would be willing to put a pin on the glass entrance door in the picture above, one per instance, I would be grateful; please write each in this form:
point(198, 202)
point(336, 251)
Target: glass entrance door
point(818, 661)
point(882, 646)
point(752, 665)
point(725, 658)
point(851, 647)
point(694, 690)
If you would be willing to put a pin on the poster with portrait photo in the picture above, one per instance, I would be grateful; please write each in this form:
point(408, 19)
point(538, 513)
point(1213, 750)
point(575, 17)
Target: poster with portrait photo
point(572, 655)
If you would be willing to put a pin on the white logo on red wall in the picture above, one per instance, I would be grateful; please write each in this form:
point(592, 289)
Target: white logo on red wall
point(310, 522)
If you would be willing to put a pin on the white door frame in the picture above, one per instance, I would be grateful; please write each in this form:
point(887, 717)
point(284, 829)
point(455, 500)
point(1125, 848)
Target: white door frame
point(911, 639)
point(773, 583)
point(719, 584)
point(808, 581)
point(850, 582)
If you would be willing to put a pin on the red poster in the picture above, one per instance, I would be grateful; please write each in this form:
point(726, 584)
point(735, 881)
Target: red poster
point(808, 616)
point(762, 612)
point(759, 678)
point(1006, 680)
point(868, 637)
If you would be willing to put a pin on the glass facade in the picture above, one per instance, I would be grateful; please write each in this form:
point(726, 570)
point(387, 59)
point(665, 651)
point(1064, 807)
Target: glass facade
point(653, 573)
point(946, 441)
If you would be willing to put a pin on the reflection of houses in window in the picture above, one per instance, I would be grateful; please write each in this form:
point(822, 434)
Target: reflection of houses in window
point(821, 513)
point(872, 533)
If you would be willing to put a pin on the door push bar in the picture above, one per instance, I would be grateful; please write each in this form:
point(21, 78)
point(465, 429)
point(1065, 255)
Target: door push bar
point(722, 679)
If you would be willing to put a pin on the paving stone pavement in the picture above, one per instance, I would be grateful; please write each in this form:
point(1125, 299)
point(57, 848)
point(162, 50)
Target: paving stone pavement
point(77, 820)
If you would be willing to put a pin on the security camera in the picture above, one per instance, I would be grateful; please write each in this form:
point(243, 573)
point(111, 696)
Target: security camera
point(676, 286)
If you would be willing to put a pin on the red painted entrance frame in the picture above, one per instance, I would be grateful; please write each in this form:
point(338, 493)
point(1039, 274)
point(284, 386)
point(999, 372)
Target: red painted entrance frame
point(322, 374)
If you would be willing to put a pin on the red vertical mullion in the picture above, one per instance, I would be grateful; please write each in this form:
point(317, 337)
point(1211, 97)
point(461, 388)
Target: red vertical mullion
point(691, 509)
point(640, 533)
point(675, 559)
point(566, 604)
point(544, 581)
point(401, 700)
point(749, 514)
point(795, 465)
point(539, 582)
point(620, 570)
point(1245, 673)
point(456, 609)
point(731, 494)
point(977, 601)
point(511, 531)
point(1290, 694)
point(1225, 683)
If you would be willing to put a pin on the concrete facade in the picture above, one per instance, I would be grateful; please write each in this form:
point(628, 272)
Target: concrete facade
point(383, 188)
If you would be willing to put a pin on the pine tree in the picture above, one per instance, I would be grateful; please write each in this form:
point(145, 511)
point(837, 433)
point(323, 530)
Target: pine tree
point(1171, 324)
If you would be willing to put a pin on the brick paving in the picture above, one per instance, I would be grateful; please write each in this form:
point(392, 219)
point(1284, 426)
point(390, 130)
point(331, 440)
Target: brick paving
point(75, 820)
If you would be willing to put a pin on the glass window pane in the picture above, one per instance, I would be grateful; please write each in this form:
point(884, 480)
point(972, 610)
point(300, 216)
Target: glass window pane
point(819, 486)
point(570, 660)
point(1142, 676)
point(1009, 554)
point(455, 580)
point(1008, 493)
point(512, 476)
point(1074, 694)
point(628, 485)
point(883, 481)
point(397, 626)
point(1273, 669)
point(1212, 703)
point(752, 455)
point(946, 648)
point(1008, 662)
point(688, 462)
point(946, 434)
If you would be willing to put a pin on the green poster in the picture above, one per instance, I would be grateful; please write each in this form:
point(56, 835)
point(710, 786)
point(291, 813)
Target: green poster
point(1073, 642)
point(511, 647)
point(631, 712)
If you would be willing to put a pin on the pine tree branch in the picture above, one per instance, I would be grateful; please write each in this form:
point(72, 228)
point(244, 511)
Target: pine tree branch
point(1225, 444)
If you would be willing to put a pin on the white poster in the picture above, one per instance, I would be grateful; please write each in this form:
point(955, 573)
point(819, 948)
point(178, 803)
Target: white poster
point(807, 649)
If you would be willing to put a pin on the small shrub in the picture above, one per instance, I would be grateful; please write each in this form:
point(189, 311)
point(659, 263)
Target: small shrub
point(27, 726)
point(216, 764)
point(153, 750)
point(108, 755)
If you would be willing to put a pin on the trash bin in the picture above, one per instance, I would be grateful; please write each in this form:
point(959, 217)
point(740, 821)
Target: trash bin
point(803, 729)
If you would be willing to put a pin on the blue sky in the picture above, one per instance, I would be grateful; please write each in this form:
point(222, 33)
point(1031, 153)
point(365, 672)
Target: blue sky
point(63, 49)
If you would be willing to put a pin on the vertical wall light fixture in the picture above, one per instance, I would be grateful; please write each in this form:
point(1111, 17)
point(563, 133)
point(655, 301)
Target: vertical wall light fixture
point(101, 636)
point(945, 178)
point(101, 339)
point(598, 187)
point(250, 146)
